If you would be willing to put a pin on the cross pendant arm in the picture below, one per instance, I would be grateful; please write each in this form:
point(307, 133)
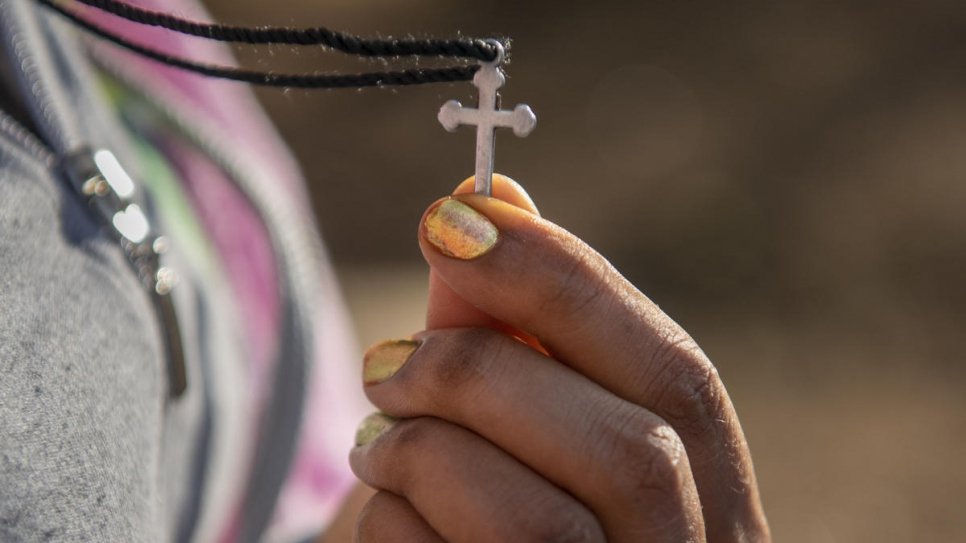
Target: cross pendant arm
point(487, 117)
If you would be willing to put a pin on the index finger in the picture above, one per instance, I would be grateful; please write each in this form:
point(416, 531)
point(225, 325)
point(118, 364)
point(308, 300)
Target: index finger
point(527, 272)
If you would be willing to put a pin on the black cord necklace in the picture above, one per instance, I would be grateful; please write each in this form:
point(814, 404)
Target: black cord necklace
point(98, 176)
point(340, 41)
point(460, 48)
point(486, 75)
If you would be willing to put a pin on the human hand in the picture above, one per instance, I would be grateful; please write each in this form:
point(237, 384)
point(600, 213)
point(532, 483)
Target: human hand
point(548, 400)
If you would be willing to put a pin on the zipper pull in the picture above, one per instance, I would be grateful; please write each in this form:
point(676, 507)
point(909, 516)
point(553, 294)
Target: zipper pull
point(100, 179)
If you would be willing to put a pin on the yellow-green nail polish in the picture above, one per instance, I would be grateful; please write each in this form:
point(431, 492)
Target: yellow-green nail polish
point(372, 427)
point(384, 359)
point(459, 231)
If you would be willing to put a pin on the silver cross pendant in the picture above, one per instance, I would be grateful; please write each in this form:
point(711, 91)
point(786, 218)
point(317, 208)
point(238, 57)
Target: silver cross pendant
point(488, 117)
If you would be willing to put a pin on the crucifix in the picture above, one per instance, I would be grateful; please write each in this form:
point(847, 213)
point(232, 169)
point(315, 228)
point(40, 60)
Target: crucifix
point(487, 117)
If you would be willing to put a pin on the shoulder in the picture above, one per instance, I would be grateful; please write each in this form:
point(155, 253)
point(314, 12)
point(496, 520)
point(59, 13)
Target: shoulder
point(80, 398)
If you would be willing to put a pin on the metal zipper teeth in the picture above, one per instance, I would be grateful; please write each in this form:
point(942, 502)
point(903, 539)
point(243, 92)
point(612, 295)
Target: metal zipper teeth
point(27, 140)
point(297, 250)
point(25, 37)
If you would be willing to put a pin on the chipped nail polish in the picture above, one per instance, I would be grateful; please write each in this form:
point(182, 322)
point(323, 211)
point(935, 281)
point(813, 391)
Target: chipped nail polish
point(459, 231)
point(384, 359)
point(372, 427)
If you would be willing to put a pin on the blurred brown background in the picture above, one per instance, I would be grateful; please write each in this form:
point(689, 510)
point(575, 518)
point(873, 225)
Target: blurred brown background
point(788, 180)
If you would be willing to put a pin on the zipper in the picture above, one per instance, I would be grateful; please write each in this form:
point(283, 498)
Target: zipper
point(28, 50)
point(130, 227)
point(26, 150)
point(26, 140)
point(87, 176)
point(101, 180)
point(294, 240)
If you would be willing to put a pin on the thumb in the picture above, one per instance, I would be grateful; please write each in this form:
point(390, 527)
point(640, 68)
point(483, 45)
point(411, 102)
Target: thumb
point(446, 309)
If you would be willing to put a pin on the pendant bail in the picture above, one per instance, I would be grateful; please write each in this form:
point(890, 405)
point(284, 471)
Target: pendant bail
point(500, 52)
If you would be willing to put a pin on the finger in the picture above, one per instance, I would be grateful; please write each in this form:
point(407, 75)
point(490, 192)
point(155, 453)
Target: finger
point(623, 462)
point(343, 525)
point(446, 309)
point(466, 488)
point(387, 518)
point(531, 274)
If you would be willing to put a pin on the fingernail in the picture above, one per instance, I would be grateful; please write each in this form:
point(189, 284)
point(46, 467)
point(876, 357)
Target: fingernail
point(384, 359)
point(459, 231)
point(372, 427)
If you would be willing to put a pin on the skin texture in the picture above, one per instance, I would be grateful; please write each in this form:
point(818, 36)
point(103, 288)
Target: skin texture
point(548, 400)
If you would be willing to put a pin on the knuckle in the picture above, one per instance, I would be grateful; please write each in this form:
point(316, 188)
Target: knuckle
point(565, 524)
point(691, 396)
point(644, 461)
point(557, 520)
point(564, 531)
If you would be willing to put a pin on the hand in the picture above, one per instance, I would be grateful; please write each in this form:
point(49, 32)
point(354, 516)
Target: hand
point(549, 400)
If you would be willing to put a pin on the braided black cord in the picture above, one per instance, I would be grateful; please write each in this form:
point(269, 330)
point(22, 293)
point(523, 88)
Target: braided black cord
point(270, 79)
point(346, 43)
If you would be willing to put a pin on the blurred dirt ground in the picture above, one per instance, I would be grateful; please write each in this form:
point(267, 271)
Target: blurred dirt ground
point(787, 179)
